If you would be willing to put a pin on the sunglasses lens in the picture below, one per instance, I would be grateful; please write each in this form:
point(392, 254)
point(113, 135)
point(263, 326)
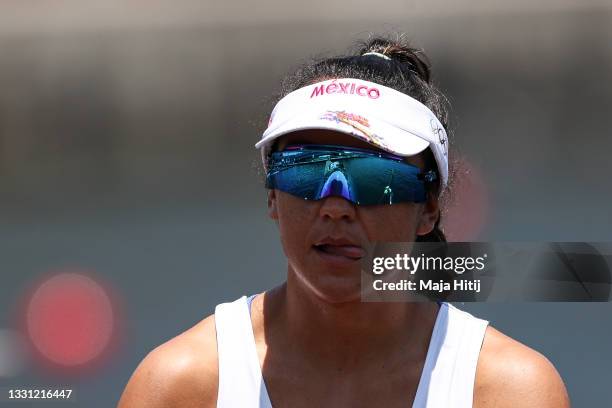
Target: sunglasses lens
point(384, 181)
point(300, 180)
point(362, 177)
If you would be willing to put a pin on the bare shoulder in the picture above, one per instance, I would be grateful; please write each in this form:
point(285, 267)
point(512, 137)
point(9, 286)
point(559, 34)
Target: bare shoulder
point(510, 374)
point(181, 372)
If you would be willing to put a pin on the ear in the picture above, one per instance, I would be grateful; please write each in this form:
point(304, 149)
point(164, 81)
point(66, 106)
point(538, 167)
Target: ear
point(272, 204)
point(429, 216)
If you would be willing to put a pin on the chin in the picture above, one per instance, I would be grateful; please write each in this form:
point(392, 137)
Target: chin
point(337, 289)
point(329, 282)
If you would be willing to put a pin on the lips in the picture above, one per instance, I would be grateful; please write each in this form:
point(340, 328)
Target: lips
point(340, 248)
point(348, 251)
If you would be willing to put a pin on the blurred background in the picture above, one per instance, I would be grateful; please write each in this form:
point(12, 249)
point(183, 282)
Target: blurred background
point(130, 199)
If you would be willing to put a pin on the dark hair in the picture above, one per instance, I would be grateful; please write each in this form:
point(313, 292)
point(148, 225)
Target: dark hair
point(407, 71)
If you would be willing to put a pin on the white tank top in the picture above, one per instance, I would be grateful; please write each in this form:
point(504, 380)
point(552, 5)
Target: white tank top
point(447, 379)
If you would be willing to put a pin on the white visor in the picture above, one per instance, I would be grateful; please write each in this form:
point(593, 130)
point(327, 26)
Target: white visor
point(381, 116)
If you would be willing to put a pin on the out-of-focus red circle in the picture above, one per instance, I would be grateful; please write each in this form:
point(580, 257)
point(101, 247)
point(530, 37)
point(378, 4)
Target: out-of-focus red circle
point(69, 319)
point(467, 209)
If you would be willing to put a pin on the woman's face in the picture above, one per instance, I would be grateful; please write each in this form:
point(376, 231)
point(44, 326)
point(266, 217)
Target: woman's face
point(324, 239)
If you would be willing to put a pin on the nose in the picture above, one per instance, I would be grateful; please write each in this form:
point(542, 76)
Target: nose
point(337, 207)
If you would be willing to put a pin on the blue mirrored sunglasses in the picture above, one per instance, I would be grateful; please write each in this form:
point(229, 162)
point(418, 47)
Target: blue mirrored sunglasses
point(364, 177)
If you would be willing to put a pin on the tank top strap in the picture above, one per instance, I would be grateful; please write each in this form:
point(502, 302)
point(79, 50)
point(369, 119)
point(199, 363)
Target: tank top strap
point(240, 380)
point(249, 300)
point(449, 371)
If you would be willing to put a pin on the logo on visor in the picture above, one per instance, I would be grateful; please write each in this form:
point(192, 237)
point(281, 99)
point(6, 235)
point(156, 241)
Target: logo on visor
point(357, 122)
point(438, 131)
point(348, 88)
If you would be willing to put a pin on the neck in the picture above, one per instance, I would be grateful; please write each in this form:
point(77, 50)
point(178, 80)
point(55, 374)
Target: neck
point(349, 334)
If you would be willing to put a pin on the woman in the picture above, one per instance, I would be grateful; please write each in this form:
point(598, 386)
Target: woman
point(311, 341)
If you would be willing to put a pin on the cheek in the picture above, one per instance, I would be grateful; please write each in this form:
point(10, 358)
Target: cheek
point(390, 223)
point(294, 221)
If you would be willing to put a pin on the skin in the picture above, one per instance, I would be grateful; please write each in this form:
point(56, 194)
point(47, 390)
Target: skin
point(318, 345)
